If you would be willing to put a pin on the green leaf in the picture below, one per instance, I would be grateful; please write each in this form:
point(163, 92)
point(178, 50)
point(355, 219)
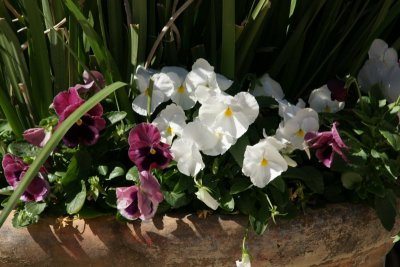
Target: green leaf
point(102, 170)
point(392, 138)
point(350, 179)
point(238, 149)
point(311, 177)
point(53, 142)
point(386, 209)
point(115, 116)
point(22, 218)
point(133, 174)
point(259, 223)
point(279, 184)
point(35, 208)
point(240, 184)
point(175, 199)
point(76, 204)
point(22, 149)
point(6, 190)
point(227, 202)
point(116, 172)
point(78, 167)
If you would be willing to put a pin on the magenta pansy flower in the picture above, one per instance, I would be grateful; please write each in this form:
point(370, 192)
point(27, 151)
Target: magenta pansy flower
point(146, 149)
point(87, 129)
point(327, 144)
point(140, 201)
point(14, 171)
point(37, 136)
point(90, 85)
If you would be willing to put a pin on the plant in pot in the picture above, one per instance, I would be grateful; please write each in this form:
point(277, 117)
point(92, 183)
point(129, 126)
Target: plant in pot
point(145, 108)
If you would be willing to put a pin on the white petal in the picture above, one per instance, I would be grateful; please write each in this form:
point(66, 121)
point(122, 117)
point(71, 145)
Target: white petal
point(139, 104)
point(163, 83)
point(377, 49)
point(188, 157)
point(269, 87)
point(206, 198)
point(142, 77)
point(200, 134)
point(223, 82)
point(178, 71)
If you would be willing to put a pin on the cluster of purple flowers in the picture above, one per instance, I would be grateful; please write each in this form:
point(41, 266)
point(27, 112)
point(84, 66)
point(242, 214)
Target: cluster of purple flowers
point(147, 152)
point(85, 131)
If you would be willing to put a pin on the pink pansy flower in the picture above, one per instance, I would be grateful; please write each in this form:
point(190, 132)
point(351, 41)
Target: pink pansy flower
point(140, 201)
point(37, 136)
point(327, 144)
point(14, 171)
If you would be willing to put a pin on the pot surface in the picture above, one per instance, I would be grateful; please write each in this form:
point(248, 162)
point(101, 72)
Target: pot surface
point(338, 235)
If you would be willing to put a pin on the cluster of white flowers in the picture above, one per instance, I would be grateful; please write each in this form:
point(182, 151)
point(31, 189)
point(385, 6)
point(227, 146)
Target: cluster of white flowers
point(381, 68)
point(223, 118)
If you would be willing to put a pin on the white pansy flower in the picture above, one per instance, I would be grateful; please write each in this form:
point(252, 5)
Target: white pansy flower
point(320, 100)
point(210, 142)
point(179, 94)
point(381, 68)
point(170, 122)
point(203, 195)
point(294, 129)
point(187, 155)
point(204, 81)
point(288, 110)
point(269, 87)
point(142, 78)
point(263, 162)
point(231, 115)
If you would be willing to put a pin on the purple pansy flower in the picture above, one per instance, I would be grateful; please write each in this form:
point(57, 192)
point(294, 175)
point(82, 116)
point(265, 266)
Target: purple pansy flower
point(338, 90)
point(37, 136)
point(140, 201)
point(326, 144)
point(146, 149)
point(87, 129)
point(14, 171)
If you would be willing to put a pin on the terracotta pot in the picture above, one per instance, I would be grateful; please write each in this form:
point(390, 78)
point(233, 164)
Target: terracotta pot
point(339, 235)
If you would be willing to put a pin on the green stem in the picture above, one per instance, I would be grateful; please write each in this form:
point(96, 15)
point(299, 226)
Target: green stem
point(228, 39)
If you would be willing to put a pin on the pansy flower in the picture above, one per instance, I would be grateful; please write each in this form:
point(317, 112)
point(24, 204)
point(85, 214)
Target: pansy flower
point(320, 100)
point(327, 144)
point(146, 149)
point(187, 155)
point(263, 162)
point(231, 115)
point(87, 129)
point(37, 136)
point(179, 93)
point(161, 83)
point(15, 170)
point(170, 122)
point(140, 201)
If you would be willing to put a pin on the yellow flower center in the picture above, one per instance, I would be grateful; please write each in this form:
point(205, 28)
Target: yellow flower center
point(170, 130)
point(327, 109)
point(152, 151)
point(264, 162)
point(181, 89)
point(228, 112)
point(79, 122)
point(300, 133)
